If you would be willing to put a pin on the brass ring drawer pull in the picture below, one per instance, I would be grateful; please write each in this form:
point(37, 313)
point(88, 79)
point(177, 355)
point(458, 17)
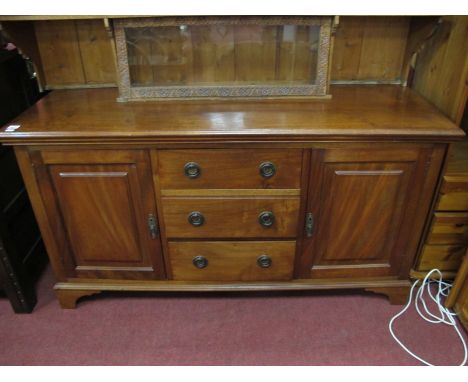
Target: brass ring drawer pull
point(266, 218)
point(267, 169)
point(200, 262)
point(196, 218)
point(192, 170)
point(264, 261)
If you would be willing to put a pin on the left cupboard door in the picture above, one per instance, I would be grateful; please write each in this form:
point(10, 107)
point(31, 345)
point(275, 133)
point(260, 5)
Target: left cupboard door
point(101, 204)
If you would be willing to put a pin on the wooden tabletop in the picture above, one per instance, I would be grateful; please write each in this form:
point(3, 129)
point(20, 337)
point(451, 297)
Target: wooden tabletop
point(370, 112)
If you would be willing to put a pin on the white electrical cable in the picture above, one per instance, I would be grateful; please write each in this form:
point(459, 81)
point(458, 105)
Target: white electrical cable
point(446, 317)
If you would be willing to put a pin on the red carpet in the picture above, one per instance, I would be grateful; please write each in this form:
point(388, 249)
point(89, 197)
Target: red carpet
point(332, 328)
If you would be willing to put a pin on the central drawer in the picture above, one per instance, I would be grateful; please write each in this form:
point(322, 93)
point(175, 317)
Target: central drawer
point(231, 260)
point(231, 217)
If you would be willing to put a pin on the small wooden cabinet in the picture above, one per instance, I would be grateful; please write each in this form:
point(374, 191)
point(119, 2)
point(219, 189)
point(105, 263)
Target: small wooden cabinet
point(232, 196)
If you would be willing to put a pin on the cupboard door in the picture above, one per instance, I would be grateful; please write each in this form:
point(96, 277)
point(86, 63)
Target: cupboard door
point(103, 201)
point(364, 211)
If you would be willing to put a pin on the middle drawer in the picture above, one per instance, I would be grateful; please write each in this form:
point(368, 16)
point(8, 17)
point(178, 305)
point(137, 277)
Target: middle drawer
point(224, 217)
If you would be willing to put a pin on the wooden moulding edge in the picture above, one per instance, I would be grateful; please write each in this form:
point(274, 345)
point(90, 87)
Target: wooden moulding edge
point(175, 286)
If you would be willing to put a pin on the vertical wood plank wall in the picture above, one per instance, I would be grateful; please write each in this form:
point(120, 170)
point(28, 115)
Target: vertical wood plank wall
point(96, 52)
point(75, 52)
point(79, 52)
point(441, 71)
point(369, 48)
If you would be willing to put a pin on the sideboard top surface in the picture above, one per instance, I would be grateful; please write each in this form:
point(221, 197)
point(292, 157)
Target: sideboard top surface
point(365, 112)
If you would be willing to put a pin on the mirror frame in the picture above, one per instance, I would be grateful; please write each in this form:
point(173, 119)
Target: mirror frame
point(128, 92)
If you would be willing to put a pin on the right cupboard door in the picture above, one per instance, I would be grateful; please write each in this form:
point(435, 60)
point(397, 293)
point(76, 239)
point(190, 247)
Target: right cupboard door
point(366, 210)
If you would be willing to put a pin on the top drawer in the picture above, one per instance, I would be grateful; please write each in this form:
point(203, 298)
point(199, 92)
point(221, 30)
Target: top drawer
point(230, 169)
point(454, 193)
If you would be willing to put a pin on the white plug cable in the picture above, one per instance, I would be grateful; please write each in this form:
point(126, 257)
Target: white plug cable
point(446, 317)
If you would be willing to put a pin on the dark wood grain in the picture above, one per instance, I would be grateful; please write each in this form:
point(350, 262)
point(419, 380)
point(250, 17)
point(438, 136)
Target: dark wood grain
point(359, 200)
point(231, 260)
point(230, 217)
point(365, 163)
point(104, 227)
point(354, 113)
point(100, 210)
point(228, 169)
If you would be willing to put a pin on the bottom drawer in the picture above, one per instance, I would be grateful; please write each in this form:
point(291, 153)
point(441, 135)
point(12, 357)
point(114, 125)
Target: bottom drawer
point(232, 260)
point(443, 257)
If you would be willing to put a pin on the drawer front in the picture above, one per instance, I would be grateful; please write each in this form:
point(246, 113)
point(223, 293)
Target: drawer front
point(230, 217)
point(227, 169)
point(232, 261)
point(449, 228)
point(443, 257)
point(454, 193)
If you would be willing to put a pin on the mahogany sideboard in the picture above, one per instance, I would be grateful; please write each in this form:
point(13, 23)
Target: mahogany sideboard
point(232, 196)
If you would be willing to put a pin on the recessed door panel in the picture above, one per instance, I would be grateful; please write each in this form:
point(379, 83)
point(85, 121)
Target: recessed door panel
point(100, 211)
point(361, 215)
